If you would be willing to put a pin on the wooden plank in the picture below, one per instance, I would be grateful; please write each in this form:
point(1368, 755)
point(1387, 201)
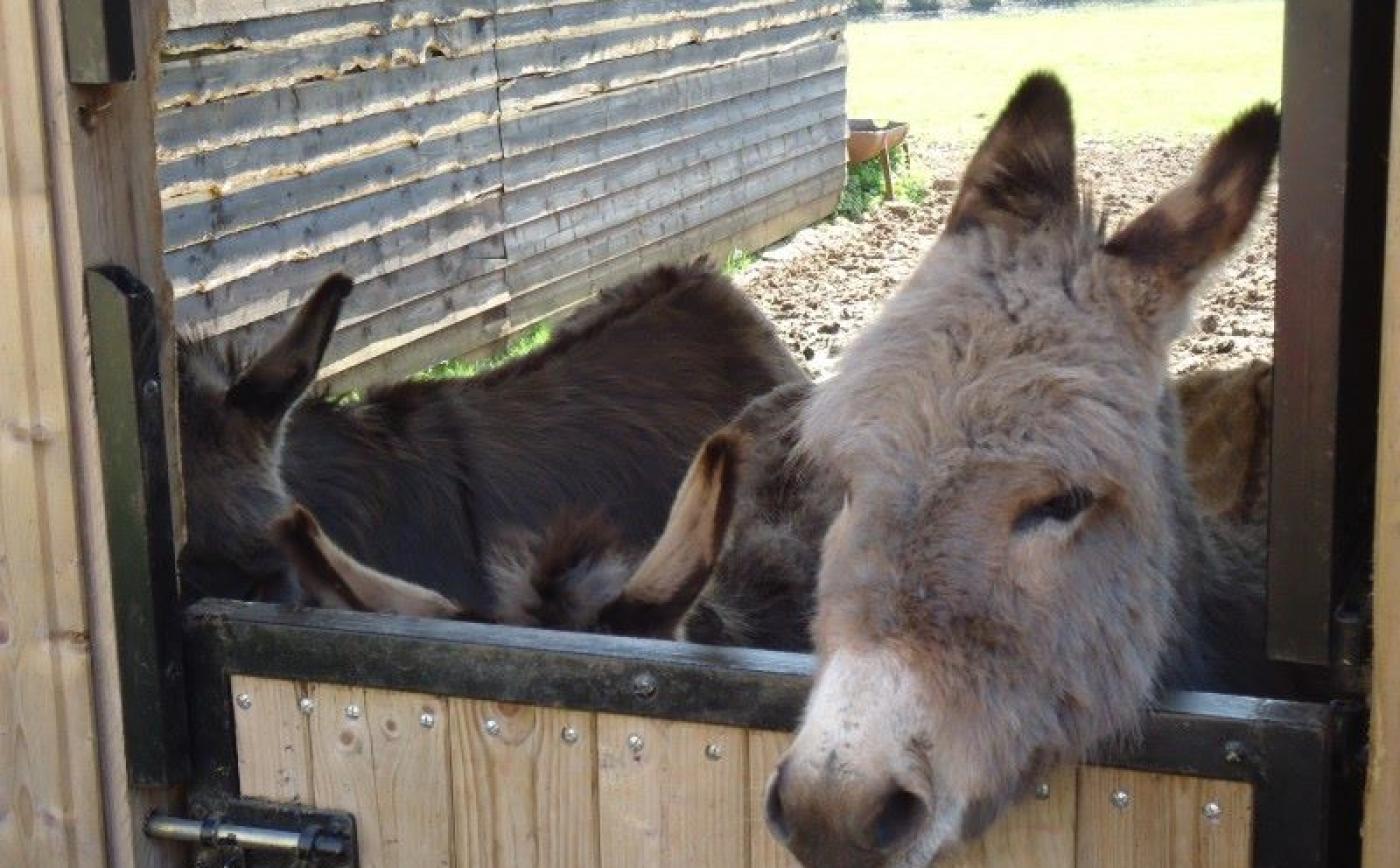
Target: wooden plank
point(574, 247)
point(1381, 820)
point(647, 818)
point(735, 177)
point(746, 144)
point(318, 25)
point(1037, 833)
point(222, 75)
point(381, 267)
point(630, 107)
point(551, 51)
point(221, 174)
point(202, 267)
point(274, 748)
point(409, 733)
point(523, 785)
point(560, 150)
point(515, 25)
point(342, 763)
point(317, 104)
point(531, 92)
point(1132, 819)
point(195, 13)
point(765, 747)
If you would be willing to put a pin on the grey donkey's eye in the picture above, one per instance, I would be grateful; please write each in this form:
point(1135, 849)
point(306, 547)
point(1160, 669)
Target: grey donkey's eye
point(1061, 508)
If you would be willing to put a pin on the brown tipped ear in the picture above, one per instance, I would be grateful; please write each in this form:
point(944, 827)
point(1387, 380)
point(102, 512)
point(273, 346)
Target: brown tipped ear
point(673, 573)
point(1168, 248)
point(1022, 175)
point(335, 580)
point(274, 381)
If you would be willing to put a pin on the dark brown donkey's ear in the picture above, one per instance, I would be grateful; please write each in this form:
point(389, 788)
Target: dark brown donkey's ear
point(1022, 175)
point(335, 580)
point(666, 583)
point(274, 381)
point(1162, 254)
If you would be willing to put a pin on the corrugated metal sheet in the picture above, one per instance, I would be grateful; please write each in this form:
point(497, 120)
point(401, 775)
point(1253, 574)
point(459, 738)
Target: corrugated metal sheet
point(478, 166)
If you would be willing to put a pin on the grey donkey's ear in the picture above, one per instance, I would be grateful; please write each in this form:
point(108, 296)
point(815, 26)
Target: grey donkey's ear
point(1166, 250)
point(274, 381)
point(1022, 175)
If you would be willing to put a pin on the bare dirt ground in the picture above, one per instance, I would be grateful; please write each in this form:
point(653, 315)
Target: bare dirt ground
point(829, 280)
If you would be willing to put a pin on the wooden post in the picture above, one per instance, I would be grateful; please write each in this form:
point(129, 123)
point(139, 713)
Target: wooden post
point(77, 189)
point(1381, 828)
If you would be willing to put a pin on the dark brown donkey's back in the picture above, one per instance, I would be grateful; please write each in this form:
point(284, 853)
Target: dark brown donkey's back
point(419, 478)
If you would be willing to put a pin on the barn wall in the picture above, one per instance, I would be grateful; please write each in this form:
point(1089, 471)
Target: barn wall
point(436, 781)
point(479, 164)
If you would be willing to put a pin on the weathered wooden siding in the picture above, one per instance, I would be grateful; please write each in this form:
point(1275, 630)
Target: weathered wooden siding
point(473, 782)
point(479, 164)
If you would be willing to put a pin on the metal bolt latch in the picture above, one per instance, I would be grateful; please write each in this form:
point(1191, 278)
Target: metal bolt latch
point(352, 712)
point(568, 735)
point(635, 743)
point(492, 727)
point(1212, 811)
point(1042, 791)
point(306, 704)
point(1120, 799)
point(714, 752)
point(244, 701)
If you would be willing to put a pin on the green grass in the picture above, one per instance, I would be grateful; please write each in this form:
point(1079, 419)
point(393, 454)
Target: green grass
point(531, 340)
point(738, 260)
point(1161, 70)
point(865, 185)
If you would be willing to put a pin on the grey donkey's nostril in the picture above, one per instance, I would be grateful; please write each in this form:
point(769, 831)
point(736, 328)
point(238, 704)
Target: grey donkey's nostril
point(898, 819)
point(773, 807)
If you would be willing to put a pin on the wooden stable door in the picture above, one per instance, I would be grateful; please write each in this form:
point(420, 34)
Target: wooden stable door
point(463, 782)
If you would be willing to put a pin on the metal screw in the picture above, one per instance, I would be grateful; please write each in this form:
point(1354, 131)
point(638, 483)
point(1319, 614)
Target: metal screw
point(492, 727)
point(569, 735)
point(635, 743)
point(244, 701)
point(352, 712)
point(1042, 791)
point(644, 686)
point(426, 720)
point(1234, 752)
point(714, 752)
point(1212, 811)
point(1120, 799)
point(150, 388)
point(306, 704)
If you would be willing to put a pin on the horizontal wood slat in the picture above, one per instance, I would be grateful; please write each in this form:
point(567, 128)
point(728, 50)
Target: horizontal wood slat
point(477, 167)
point(453, 781)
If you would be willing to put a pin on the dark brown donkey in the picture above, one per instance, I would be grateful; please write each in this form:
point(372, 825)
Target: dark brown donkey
point(420, 479)
point(1020, 561)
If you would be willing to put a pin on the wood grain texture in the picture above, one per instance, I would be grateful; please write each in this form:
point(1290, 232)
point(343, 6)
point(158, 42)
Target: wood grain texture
point(274, 739)
point(1037, 833)
point(412, 776)
point(764, 750)
point(669, 804)
point(1381, 820)
point(1164, 823)
point(523, 793)
point(342, 763)
point(307, 136)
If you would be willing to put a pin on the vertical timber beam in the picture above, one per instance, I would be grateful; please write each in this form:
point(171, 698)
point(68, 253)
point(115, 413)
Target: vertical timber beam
point(77, 176)
point(1336, 97)
point(1381, 827)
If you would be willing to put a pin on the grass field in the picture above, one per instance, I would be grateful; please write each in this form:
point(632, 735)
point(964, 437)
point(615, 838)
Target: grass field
point(1132, 70)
